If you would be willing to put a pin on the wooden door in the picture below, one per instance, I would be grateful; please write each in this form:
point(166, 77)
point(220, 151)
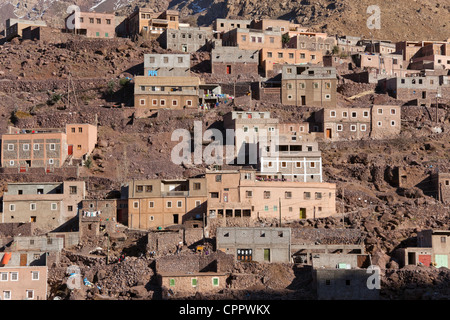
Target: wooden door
point(302, 213)
point(23, 259)
point(328, 133)
point(70, 150)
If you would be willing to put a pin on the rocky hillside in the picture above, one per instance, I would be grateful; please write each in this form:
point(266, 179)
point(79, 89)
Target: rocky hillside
point(400, 20)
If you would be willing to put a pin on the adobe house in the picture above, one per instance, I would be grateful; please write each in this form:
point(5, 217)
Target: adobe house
point(48, 205)
point(244, 194)
point(308, 85)
point(47, 147)
point(23, 276)
point(97, 217)
point(270, 57)
point(186, 273)
point(234, 61)
point(159, 203)
point(92, 24)
point(344, 284)
point(167, 65)
point(187, 39)
point(252, 39)
point(433, 249)
point(374, 122)
point(193, 282)
point(153, 93)
point(441, 186)
point(225, 25)
point(255, 244)
point(15, 27)
point(147, 23)
point(312, 41)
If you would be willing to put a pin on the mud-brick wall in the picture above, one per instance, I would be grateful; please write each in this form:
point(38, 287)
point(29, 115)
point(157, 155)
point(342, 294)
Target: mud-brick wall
point(164, 241)
point(178, 263)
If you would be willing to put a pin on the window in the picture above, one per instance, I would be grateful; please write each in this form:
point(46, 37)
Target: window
point(32, 206)
point(10, 147)
point(154, 102)
point(288, 194)
point(363, 127)
point(194, 282)
point(306, 195)
point(91, 20)
point(312, 164)
point(171, 282)
point(245, 129)
point(81, 20)
point(316, 85)
point(142, 102)
point(12, 207)
point(108, 21)
point(214, 195)
point(52, 146)
point(393, 123)
point(99, 21)
point(266, 208)
point(197, 185)
point(97, 34)
point(215, 281)
point(139, 188)
point(366, 114)
point(269, 54)
point(275, 208)
point(7, 295)
point(51, 161)
point(339, 127)
point(318, 196)
point(189, 102)
point(174, 103)
point(73, 189)
point(249, 194)
point(4, 276)
point(266, 194)
point(298, 164)
point(328, 96)
point(69, 208)
point(393, 111)
point(79, 147)
point(284, 164)
point(148, 188)
point(151, 204)
point(179, 204)
point(380, 111)
point(26, 147)
point(152, 218)
point(302, 56)
point(198, 203)
point(106, 34)
point(280, 54)
point(11, 162)
point(354, 114)
point(162, 102)
point(135, 204)
point(169, 204)
point(30, 294)
point(353, 127)
point(14, 276)
point(291, 56)
point(379, 123)
point(332, 113)
point(344, 114)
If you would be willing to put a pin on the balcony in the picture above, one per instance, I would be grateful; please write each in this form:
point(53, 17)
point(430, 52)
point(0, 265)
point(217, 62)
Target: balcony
point(175, 194)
